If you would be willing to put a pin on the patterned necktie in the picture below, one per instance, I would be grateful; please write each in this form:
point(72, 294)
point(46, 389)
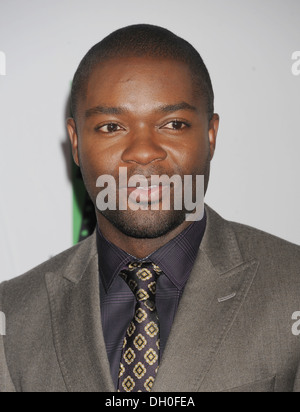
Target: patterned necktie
point(140, 357)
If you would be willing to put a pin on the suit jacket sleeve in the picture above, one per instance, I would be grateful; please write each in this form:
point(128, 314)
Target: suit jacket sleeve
point(6, 384)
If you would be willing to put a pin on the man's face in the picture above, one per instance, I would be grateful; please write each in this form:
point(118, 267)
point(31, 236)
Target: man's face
point(142, 114)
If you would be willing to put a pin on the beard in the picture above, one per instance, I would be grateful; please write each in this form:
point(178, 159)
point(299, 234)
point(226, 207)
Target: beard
point(149, 224)
point(152, 224)
point(145, 224)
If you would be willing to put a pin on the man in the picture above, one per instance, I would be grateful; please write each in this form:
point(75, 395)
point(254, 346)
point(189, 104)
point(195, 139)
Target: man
point(152, 301)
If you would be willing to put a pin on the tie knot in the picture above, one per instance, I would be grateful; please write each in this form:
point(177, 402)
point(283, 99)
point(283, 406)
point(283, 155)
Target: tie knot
point(142, 277)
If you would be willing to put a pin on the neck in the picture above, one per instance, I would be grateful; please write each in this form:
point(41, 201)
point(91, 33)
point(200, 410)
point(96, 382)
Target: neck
point(139, 248)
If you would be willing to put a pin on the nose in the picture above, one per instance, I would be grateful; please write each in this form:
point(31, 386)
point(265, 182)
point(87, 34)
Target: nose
point(143, 148)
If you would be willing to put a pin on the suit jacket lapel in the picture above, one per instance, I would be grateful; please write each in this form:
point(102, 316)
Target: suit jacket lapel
point(214, 294)
point(76, 322)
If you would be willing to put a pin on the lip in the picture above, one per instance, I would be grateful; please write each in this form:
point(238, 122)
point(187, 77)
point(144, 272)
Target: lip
point(146, 194)
point(163, 182)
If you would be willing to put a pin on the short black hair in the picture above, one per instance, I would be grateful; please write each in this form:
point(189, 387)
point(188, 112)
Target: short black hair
point(139, 41)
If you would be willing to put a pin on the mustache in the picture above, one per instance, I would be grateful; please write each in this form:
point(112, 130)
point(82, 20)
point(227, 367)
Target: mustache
point(156, 176)
point(144, 175)
point(149, 172)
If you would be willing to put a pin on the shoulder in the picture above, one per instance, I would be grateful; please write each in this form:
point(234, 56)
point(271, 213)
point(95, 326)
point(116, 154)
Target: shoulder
point(29, 289)
point(251, 241)
point(279, 264)
point(256, 242)
point(277, 258)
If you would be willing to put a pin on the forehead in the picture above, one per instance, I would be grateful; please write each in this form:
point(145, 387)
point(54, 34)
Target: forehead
point(139, 82)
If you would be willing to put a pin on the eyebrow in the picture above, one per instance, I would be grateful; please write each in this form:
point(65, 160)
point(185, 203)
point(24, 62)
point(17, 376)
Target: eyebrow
point(171, 108)
point(117, 111)
point(105, 110)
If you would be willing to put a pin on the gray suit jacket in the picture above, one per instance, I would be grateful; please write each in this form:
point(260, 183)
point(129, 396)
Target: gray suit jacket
point(232, 331)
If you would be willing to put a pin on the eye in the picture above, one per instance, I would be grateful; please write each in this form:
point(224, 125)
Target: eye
point(176, 125)
point(109, 128)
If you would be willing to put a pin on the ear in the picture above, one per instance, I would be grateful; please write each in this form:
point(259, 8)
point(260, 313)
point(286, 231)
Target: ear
point(72, 131)
point(212, 134)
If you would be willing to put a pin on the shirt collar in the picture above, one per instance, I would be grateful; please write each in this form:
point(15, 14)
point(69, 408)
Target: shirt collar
point(176, 259)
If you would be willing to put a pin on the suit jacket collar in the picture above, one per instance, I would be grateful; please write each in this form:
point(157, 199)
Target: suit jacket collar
point(220, 244)
point(213, 297)
point(76, 322)
point(214, 294)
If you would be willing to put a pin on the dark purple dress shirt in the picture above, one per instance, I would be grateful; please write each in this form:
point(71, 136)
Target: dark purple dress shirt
point(176, 259)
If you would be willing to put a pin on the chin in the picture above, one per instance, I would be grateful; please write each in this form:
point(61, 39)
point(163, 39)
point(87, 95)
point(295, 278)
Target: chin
point(145, 224)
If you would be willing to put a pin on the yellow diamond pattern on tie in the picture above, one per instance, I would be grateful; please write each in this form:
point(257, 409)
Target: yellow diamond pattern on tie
point(151, 329)
point(135, 265)
point(139, 370)
point(149, 384)
point(151, 357)
point(140, 358)
point(129, 356)
point(144, 274)
point(142, 295)
point(140, 315)
point(128, 384)
point(131, 329)
point(122, 370)
point(157, 269)
point(140, 342)
point(152, 287)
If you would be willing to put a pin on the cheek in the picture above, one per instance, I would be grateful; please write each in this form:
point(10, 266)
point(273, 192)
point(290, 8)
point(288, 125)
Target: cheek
point(191, 156)
point(96, 159)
